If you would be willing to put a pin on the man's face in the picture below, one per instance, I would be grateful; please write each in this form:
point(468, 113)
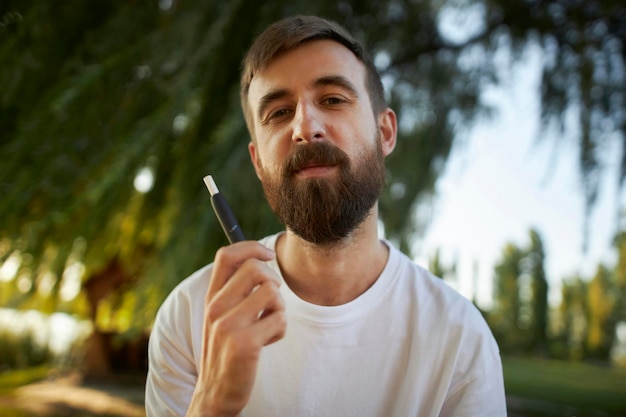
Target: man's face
point(318, 148)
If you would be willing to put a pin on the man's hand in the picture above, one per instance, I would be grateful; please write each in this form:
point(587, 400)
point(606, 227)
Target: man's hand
point(243, 312)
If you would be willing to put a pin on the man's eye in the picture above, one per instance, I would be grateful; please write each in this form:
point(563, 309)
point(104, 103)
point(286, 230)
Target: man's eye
point(333, 100)
point(278, 114)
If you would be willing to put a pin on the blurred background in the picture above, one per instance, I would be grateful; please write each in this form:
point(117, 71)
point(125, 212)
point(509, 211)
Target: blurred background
point(507, 180)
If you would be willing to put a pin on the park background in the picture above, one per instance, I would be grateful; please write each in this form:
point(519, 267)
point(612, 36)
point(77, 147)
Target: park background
point(506, 181)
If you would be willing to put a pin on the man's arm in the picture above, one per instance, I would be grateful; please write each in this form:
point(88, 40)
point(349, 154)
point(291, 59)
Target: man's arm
point(243, 312)
point(481, 393)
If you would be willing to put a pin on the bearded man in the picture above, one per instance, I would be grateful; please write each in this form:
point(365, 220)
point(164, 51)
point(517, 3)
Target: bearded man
point(324, 318)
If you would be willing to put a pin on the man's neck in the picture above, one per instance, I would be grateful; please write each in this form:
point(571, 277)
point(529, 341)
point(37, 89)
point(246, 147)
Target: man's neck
point(333, 274)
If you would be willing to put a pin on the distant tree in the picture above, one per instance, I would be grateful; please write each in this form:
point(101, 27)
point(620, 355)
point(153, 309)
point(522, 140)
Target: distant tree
point(601, 303)
point(539, 294)
point(435, 266)
point(520, 313)
point(620, 276)
point(439, 269)
point(506, 318)
point(574, 317)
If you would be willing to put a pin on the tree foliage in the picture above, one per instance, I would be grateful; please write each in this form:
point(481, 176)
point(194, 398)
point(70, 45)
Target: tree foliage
point(573, 311)
point(601, 301)
point(539, 311)
point(506, 319)
point(519, 318)
point(583, 72)
point(92, 94)
point(582, 326)
point(589, 313)
point(620, 275)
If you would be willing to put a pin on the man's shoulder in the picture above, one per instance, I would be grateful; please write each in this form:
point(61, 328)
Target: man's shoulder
point(184, 302)
point(432, 293)
point(415, 275)
point(195, 285)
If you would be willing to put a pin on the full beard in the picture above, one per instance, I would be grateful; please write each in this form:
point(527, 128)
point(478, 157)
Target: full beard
point(325, 211)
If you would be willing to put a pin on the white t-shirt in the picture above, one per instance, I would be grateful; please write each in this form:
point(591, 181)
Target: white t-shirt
point(409, 346)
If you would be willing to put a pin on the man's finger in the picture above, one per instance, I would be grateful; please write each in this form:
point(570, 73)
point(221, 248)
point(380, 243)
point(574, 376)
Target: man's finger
point(229, 258)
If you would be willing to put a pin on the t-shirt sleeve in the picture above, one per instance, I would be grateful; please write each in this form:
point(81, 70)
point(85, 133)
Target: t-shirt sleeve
point(173, 345)
point(481, 393)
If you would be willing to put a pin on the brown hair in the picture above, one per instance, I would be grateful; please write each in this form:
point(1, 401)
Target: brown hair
point(292, 32)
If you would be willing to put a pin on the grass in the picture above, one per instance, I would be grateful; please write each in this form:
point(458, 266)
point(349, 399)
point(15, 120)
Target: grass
point(10, 380)
point(558, 388)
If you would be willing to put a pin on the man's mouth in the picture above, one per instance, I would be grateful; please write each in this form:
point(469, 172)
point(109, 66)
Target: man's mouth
point(315, 160)
point(313, 170)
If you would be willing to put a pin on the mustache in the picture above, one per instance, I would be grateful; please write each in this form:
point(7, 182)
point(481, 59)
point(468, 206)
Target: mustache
point(318, 153)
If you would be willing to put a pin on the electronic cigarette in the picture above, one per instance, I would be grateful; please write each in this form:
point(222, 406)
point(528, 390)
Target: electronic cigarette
point(224, 213)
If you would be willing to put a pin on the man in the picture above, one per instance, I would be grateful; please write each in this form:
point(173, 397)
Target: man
point(324, 319)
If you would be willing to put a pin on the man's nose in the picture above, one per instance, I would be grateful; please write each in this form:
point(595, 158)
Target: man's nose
point(307, 124)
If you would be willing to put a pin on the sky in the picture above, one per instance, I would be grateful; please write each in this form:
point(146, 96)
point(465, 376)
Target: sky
point(503, 180)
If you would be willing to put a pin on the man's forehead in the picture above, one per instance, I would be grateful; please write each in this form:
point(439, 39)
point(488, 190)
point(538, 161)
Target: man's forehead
point(303, 66)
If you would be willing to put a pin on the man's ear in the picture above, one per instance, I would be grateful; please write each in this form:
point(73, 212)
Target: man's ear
point(254, 157)
point(388, 126)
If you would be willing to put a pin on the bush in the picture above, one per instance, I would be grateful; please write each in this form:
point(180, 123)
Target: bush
point(30, 338)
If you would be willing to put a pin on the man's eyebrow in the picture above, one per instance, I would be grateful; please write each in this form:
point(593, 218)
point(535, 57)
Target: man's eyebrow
point(268, 98)
point(337, 80)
